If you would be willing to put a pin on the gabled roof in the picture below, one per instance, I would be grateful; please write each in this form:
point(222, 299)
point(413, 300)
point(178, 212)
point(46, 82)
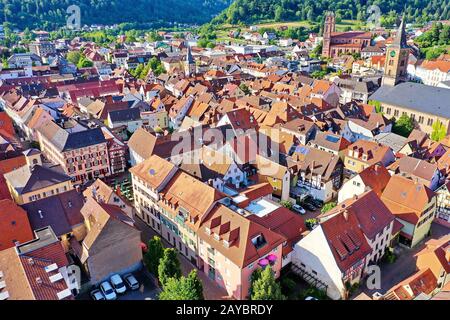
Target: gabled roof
point(421, 282)
point(35, 256)
point(64, 140)
point(415, 96)
point(376, 177)
point(284, 222)
point(346, 240)
point(25, 180)
point(153, 170)
point(108, 225)
point(372, 214)
point(406, 198)
point(415, 167)
point(126, 115)
point(183, 190)
point(61, 212)
point(239, 232)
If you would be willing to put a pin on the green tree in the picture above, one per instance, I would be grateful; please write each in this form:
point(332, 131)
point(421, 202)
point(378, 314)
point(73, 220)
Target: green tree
point(327, 207)
point(286, 204)
point(169, 266)
point(183, 288)
point(195, 284)
point(155, 252)
point(74, 57)
point(84, 63)
point(403, 126)
point(244, 89)
point(376, 104)
point(439, 131)
point(266, 288)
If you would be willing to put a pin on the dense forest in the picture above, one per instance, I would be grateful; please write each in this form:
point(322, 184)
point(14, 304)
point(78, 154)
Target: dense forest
point(251, 11)
point(50, 14)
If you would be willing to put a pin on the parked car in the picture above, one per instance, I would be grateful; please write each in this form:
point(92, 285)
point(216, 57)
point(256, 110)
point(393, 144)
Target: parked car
point(118, 284)
point(315, 202)
point(298, 208)
point(309, 206)
point(97, 295)
point(108, 291)
point(131, 281)
point(311, 298)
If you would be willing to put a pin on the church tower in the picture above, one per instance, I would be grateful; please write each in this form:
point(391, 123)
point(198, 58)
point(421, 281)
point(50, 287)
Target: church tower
point(329, 28)
point(189, 64)
point(397, 54)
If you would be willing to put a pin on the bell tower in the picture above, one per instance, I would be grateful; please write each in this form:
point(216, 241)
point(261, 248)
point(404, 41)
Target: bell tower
point(397, 55)
point(329, 28)
point(189, 66)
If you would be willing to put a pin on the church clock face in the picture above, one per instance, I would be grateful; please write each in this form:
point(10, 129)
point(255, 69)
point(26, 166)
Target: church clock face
point(393, 53)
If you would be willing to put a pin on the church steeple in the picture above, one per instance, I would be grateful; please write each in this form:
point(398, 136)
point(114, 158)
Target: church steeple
point(189, 67)
point(400, 39)
point(397, 55)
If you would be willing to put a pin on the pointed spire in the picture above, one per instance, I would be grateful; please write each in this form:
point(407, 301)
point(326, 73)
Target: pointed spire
point(400, 38)
point(189, 58)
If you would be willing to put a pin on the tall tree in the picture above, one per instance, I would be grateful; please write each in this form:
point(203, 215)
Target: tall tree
point(266, 288)
point(439, 131)
point(169, 266)
point(155, 252)
point(403, 126)
point(183, 288)
point(195, 284)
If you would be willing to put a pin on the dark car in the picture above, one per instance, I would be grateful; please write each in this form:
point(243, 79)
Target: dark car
point(316, 203)
point(309, 206)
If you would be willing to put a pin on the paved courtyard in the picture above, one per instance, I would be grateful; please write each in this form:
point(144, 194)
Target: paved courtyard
point(405, 264)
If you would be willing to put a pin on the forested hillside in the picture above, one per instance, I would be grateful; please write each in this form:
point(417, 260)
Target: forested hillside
point(251, 11)
point(49, 14)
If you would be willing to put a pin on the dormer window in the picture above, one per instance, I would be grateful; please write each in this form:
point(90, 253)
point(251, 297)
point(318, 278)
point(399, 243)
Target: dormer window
point(226, 244)
point(216, 237)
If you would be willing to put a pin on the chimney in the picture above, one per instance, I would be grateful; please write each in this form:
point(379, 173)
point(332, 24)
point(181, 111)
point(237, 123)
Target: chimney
point(355, 197)
point(39, 280)
point(345, 214)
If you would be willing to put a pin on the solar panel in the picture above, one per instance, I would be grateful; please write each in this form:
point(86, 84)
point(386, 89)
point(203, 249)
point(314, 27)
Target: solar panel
point(332, 139)
point(303, 150)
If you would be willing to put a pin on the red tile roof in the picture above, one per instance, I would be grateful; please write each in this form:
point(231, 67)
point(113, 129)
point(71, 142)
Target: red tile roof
point(346, 240)
point(38, 278)
point(286, 223)
point(372, 214)
point(14, 225)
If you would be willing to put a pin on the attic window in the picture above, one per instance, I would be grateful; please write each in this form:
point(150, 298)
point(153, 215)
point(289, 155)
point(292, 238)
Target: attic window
point(259, 241)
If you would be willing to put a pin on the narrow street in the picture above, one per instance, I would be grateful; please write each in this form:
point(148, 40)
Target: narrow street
point(211, 290)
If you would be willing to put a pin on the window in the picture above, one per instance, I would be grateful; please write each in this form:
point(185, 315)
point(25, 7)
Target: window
point(430, 122)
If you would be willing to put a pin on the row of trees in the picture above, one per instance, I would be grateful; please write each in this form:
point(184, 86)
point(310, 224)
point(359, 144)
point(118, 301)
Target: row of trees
point(250, 11)
point(165, 264)
point(435, 41)
point(50, 15)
